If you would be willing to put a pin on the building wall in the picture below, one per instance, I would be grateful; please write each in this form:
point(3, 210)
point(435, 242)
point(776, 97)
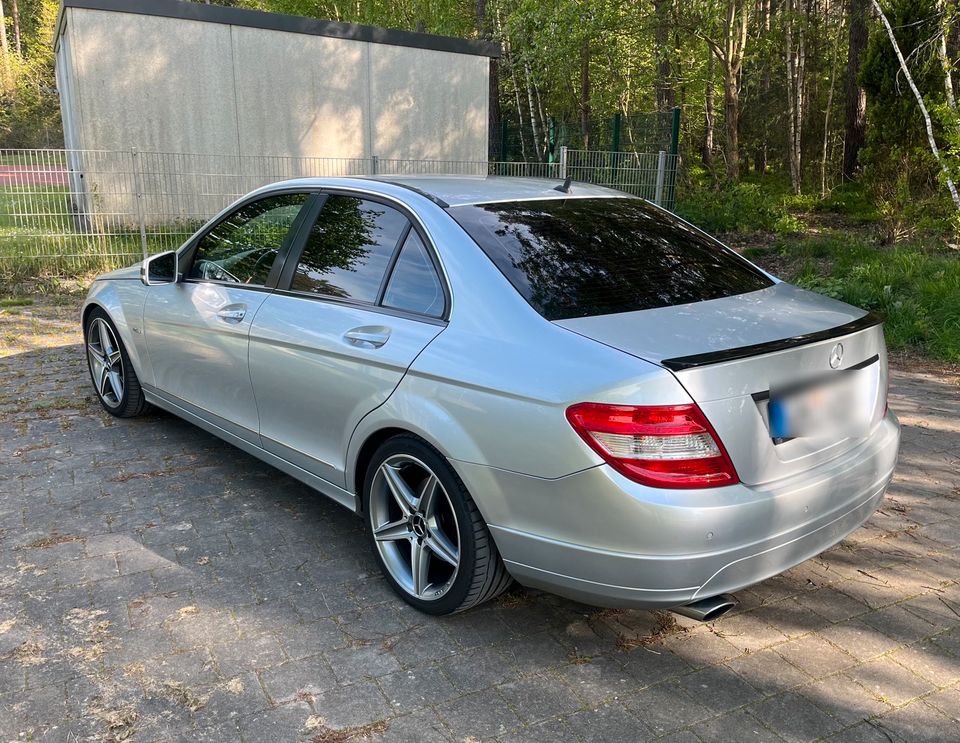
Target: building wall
point(157, 84)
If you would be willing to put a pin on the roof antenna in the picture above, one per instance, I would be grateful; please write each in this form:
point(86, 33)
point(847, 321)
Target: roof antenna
point(565, 188)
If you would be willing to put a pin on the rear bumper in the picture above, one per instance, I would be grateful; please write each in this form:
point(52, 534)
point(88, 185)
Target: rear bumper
point(599, 538)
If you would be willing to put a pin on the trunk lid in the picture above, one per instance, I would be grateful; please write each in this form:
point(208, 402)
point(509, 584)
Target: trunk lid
point(729, 352)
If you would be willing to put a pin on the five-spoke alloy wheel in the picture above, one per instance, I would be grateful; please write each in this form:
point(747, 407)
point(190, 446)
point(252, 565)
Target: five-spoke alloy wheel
point(114, 380)
point(106, 362)
point(431, 542)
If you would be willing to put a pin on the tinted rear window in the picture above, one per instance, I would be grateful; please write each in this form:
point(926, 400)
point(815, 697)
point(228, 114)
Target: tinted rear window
point(583, 257)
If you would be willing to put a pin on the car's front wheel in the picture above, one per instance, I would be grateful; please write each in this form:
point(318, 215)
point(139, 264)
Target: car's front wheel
point(114, 380)
point(430, 540)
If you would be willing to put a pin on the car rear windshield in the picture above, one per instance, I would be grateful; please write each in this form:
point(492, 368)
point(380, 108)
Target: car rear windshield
point(583, 257)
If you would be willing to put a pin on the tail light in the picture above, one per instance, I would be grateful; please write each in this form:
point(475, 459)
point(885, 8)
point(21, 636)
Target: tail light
point(666, 446)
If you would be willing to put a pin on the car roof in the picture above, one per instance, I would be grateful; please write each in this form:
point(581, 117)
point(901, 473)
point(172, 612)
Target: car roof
point(461, 190)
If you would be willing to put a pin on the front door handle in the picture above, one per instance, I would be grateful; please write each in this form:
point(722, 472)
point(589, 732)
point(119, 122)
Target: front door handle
point(232, 313)
point(369, 336)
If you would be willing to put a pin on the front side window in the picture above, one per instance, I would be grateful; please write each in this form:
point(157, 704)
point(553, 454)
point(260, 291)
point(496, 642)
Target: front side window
point(582, 257)
point(348, 250)
point(414, 284)
point(242, 248)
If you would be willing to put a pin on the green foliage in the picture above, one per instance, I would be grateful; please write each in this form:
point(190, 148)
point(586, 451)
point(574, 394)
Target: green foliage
point(917, 291)
point(758, 204)
point(899, 168)
point(30, 111)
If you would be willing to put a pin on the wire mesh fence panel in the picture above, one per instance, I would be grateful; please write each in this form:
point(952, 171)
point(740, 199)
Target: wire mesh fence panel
point(70, 212)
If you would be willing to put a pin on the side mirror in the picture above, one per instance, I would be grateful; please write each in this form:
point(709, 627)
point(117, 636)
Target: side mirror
point(161, 268)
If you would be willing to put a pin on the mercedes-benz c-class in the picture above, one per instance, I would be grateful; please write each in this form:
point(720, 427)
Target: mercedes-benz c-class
point(523, 379)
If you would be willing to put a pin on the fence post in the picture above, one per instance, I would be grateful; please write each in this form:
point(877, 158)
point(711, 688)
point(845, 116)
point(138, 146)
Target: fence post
point(374, 164)
point(615, 139)
point(563, 161)
point(138, 183)
point(661, 174)
point(675, 132)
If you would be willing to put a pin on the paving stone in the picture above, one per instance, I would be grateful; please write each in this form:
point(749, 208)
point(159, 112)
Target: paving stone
point(650, 666)
point(598, 679)
point(794, 718)
point(899, 624)
point(832, 604)
point(930, 661)
point(666, 707)
point(356, 662)
point(480, 715)
point(539, 697)
point(417, 687)
point(361, 703)
point(734, 726)
point(889, 681)
point(477, 669)
point(719, 689)
point(610, 723)
point(815, 656)
point(298, 678)
point(860, 640)
point(918, 722)
point(767, 671)
point(844, 698)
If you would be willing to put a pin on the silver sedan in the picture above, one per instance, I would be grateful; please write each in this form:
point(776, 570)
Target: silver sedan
point(514, 379)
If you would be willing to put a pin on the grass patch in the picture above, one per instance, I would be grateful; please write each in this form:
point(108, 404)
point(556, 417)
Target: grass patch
point(915, 289)
point(40, 236)
point(15, 302)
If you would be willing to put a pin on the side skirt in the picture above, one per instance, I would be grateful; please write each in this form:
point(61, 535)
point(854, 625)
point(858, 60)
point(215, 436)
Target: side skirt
point(338, 494)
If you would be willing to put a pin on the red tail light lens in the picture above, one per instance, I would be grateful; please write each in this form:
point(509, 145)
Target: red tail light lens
point(665, 446)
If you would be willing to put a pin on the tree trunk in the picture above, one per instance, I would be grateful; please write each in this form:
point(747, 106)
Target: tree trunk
point(666, 97)
point(585, 92)
point(735, 41)
point(707, 153)
point(494, 114)
point(731, 112)
point(923, 107)
point(945, 25)
point(826, 119)
point(795, 63)
point(15, 12)
point(7, 81)
point(533, 113)
point(855, 113)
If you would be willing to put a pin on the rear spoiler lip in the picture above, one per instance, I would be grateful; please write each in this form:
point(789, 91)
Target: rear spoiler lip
point(680, 363)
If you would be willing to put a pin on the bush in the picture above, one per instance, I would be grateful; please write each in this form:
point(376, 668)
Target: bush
point(916, 291)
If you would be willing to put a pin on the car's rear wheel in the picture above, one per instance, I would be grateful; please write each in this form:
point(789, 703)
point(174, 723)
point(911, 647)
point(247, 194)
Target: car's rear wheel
point(429, 538)
point(114, 380)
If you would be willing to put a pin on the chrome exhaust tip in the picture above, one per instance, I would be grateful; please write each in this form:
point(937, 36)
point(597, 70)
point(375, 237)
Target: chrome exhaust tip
point(706, 610)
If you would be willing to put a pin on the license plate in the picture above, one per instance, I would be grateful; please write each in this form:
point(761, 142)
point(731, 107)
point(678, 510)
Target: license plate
point(843, 403)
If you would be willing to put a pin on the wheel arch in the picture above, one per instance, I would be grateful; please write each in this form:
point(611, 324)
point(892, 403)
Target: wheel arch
point(114, 302)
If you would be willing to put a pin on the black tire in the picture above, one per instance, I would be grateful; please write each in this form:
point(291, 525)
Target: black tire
point(132, 403)
point(481, 575)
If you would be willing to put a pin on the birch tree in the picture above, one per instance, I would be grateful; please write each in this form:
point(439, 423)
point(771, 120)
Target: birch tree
point(928, 124)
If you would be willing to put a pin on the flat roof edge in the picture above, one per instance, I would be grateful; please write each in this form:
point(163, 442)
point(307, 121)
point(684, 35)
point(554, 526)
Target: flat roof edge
point(290, 23)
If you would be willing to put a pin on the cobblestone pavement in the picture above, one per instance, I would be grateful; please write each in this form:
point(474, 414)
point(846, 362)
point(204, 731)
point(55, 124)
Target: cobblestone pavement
point(158, 585)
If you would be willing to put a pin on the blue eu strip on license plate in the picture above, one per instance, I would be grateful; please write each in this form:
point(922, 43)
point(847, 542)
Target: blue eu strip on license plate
point(777, 414)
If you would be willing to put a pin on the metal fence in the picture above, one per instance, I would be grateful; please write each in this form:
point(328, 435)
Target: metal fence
point(66, 212)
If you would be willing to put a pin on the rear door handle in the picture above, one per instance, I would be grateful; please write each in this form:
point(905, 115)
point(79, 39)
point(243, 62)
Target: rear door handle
point(372, 336)
point(232, 313)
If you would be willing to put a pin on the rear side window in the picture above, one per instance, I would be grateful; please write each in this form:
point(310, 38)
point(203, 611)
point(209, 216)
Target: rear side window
point(349, 249)
point(414, 284)
point(584, 257)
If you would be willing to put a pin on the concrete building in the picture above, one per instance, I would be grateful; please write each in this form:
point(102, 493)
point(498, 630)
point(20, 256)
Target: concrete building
point(179, 77)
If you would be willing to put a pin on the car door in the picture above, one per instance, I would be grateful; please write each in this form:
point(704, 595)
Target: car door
point(353, 309)
point(197, 330)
